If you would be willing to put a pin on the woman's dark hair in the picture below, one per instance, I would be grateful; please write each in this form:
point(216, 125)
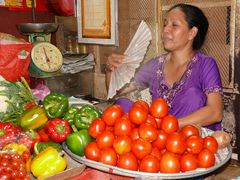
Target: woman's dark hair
point(194, 17)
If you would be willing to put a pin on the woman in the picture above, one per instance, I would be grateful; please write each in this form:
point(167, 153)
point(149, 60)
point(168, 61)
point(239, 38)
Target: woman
point(187, 79)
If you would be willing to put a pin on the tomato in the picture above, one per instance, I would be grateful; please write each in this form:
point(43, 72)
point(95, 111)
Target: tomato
point(105, 139)
point(143, 103)
point(169, 163)
point(138, 114)
point(123, 126)
point(161, 140)
point(149, 164)
point(210, 143)
point(135, 134)
point(158, 108)
point(91, 151)
point(188, 162)
point(151, 120)
point(206, 158)
point(96, 127)
point(122, 144)
point(109, 128)
point(194, 144)
point(111, 114)
point(5, 176)
point(141, 148)
point(25, 156)
point(108, 156)
point(176, 143)
point(169, 124)
point(156, 152)
point(128, 161)
point(148, 132)
point(14, 174)
point(158, 121)
point(189, 130)
point(5, 163)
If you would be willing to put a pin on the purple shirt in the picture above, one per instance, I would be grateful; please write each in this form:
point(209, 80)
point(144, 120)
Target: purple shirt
point(189, 93)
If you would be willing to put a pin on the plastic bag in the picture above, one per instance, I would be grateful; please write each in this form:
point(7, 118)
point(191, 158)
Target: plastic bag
point(15, 61)
point(62, 7)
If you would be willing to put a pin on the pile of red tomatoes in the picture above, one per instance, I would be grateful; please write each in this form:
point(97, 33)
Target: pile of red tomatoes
point(148, 139)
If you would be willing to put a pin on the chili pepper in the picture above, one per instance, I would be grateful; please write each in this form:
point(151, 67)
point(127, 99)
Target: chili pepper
point(77, 141)
point(58, 129)
point(47, 163)
point(43, 134)
point(69, 115)
point(55, 105)
point(84, 117)
point(33, 118)
point(8, 133)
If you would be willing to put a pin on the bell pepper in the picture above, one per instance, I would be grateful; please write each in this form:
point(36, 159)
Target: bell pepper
point(69, 115)
point(15, 147)
point(55, 105)
point(33, 118)
point(84, 117)
point(43, 134)
point(77, 141)
point(47, 163)
point(58, 129)
point(40, 146)
point(8, 133)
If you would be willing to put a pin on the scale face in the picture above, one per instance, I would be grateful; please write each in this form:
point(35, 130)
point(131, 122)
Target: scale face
point(46, 57)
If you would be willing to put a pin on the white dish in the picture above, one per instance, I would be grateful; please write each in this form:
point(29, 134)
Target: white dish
point(222, 157)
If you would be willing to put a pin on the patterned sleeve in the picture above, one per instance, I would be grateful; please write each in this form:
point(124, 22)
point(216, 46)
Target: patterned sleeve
point(145, 74)
point(211, 79)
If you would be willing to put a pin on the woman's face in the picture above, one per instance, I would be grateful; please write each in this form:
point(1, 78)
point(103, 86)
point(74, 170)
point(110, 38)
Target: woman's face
point(176, 34)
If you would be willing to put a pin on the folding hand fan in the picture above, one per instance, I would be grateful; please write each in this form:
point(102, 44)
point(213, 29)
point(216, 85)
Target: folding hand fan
point(134, 55)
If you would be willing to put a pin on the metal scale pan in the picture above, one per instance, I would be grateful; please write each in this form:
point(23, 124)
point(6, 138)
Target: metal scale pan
point(44, 28)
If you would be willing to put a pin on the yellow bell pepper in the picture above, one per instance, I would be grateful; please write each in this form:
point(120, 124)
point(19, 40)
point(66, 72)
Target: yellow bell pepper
point(33, 118)
point(47, 163)
point(18, 148)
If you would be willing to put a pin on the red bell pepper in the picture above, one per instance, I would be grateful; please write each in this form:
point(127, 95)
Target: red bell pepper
point(58, 129)
point(29, 104)
point(44, 135)
point(8, 133)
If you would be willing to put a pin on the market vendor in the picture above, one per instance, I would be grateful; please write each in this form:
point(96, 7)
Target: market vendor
point(186, 78)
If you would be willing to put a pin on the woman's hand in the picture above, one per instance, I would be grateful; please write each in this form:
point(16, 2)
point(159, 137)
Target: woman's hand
point(113, 61)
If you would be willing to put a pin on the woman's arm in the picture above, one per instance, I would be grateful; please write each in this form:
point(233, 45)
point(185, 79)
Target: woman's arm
point(207, 115)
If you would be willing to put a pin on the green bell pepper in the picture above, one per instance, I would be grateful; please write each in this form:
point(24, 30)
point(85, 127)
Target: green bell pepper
point(55, 105)
point(69, 115)
point(77, 141)
point(84, 117)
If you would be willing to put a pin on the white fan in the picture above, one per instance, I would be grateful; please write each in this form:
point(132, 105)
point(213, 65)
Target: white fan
point(134, 55)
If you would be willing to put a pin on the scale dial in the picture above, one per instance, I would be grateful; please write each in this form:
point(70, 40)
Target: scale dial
point(46, 57)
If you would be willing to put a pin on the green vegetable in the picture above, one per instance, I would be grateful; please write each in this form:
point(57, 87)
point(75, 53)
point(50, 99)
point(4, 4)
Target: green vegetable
point(55, 105)
point(84, 117)
point(40, 146)
point(69, 115)
point(13, 98)
point(77, 141)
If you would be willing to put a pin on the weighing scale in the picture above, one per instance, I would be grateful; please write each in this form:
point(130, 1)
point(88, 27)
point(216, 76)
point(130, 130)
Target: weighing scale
point(46, 59)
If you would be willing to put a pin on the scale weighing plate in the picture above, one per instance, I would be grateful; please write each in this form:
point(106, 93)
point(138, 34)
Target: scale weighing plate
point(30, 28)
